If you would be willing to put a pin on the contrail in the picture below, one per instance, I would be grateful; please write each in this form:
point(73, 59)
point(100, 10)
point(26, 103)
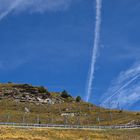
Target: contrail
point(10, 9)
point(116, 92)
point(95, 48)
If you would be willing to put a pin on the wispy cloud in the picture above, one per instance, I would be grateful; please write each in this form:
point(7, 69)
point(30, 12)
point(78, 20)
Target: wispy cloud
point(124, 89)
point(8, 6)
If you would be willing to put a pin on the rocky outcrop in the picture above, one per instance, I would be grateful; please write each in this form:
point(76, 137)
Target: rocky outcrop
point(27, 93)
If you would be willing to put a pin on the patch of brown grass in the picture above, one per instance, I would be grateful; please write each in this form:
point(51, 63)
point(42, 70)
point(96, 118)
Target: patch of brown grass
point(55, 134)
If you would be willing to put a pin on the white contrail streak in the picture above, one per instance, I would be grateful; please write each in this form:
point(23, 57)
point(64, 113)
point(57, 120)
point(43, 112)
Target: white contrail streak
point(95, 48)
point(125, 85)
point(10, 9)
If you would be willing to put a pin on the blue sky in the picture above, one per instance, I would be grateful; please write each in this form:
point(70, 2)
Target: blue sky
point(49, 43)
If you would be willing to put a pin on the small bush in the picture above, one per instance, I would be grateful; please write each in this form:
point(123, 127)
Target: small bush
point(64, 94)
point(120, 111)
point(42, 90)
point(78, 99)
point(9, 82)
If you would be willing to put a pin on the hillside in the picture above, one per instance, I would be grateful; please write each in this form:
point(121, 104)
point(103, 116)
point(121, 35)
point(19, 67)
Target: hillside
point(25, 103)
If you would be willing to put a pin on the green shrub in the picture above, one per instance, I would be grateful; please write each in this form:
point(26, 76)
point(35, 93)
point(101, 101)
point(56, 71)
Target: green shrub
point(42, 90)
point(64, 94)
point(78, 99)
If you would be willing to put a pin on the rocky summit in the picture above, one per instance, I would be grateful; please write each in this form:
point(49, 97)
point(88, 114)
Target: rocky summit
point(34, 94)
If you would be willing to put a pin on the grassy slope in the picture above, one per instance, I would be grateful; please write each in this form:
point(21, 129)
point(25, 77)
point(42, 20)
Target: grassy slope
point(52, 134)
point(11, 111)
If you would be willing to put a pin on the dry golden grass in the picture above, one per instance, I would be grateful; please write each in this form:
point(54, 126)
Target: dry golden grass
point(54, 134)
point(10, 111)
